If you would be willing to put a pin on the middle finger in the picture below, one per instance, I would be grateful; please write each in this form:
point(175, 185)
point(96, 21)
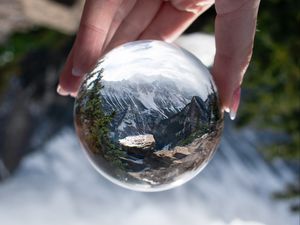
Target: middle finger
point(135, 23)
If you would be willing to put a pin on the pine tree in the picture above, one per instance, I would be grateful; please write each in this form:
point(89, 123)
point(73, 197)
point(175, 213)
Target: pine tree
point(96, 121)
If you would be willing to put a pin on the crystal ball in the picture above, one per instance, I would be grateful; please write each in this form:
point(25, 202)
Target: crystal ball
point(148, 116)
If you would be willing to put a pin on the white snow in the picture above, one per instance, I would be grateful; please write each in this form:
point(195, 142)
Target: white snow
point(148, 100)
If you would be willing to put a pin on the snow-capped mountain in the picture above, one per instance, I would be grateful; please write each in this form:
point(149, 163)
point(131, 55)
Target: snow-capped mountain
point(147, 93)
point(141, 103)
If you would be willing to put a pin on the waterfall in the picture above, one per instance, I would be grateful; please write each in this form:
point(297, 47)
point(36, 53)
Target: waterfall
point(58, 186)
point(3, 170)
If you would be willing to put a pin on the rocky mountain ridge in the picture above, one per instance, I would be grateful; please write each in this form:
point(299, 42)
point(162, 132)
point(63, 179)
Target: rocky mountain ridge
point(140, 106)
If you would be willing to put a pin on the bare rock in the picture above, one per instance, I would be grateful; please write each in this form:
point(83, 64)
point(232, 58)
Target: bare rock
point(21, 15)
point(54, 14)
point(139, 144)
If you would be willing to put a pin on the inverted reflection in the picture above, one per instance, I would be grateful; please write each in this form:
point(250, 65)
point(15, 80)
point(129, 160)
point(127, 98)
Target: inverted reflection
point(148, 116)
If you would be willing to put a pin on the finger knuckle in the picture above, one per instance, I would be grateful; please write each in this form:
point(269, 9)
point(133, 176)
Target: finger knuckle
point(91, 27)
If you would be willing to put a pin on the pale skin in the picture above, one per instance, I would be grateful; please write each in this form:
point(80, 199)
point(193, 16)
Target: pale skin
point(106, 24)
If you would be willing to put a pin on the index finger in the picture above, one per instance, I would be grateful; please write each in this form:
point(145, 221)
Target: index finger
point(235, 28)
point(94, 26)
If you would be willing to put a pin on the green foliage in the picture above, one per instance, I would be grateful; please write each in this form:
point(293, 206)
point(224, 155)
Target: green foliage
point(213, 105)
point(20, 44)
point(196, 134)
point(272, 84)
point(292, 191)
point(97, 122)
point(213, 123)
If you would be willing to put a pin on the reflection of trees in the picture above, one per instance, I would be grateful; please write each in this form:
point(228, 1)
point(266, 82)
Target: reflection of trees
point(196, 119)
point(95, 123)
point(213, 108)
point(212, 121)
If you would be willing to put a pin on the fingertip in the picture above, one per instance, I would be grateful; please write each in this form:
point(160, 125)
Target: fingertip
point(226, 109)
point(68, 83)
point(74, 94)
point(61, 91)
point(232, 115)
point(235, 101)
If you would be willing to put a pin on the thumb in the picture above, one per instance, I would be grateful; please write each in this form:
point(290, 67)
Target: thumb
point(235, 27)
point(228, 75)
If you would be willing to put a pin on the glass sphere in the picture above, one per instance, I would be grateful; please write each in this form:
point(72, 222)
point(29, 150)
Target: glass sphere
point(148, 116)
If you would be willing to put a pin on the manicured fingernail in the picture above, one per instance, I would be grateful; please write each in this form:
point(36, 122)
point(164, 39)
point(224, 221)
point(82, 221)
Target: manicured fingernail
point(235, 101)
point(61, 91)
point(76, 72)
point(226, 109)
point(204, 3)
point(194, 8)
point(73, 94)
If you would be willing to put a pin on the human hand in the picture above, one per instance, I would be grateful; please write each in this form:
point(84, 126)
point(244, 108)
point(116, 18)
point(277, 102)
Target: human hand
point(106, 24)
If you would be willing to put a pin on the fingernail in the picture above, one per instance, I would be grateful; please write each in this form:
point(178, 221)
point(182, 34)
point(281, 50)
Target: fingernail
point(235, 101)
point(226, 109)
point(73, 94)
point(204, 3)
point(195, 8)
point(61, 91)
point(76, 72)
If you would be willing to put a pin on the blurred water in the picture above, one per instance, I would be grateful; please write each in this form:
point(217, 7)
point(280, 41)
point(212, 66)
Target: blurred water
point(58, 186)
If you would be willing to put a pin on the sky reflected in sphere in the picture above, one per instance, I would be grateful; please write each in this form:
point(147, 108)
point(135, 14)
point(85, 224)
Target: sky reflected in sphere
point(148, 116)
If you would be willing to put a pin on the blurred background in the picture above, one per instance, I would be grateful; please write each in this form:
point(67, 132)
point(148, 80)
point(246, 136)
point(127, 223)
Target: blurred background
point(46, 179)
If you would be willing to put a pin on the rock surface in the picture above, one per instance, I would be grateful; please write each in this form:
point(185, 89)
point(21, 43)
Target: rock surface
point(138, 143)
point(19, 15)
